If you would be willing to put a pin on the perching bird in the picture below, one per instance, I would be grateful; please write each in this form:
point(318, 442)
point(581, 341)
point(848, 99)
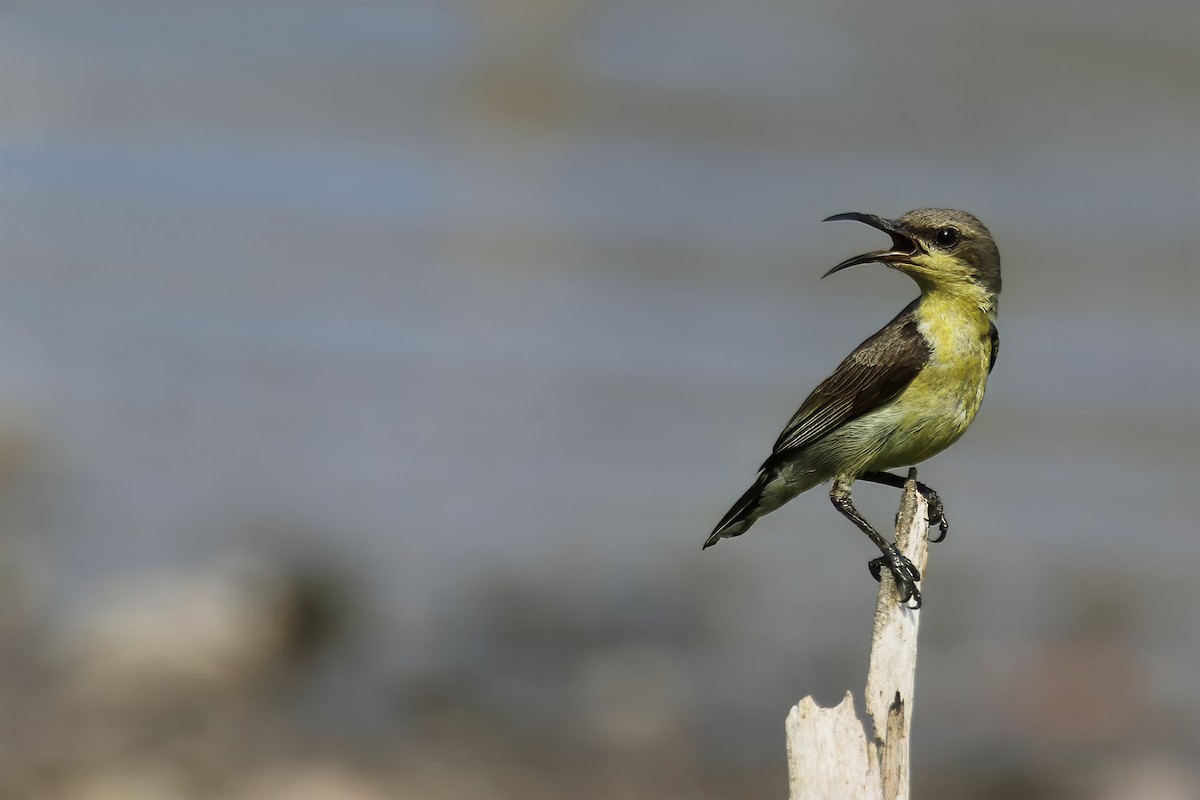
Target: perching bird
point(905, 394)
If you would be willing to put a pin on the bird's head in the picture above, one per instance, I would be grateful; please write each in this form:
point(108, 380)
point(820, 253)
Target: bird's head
point(940, 248)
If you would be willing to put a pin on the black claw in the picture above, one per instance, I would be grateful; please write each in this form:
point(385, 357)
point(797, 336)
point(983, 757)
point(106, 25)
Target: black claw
point(942, 529)
point(937, 512)
point(904, 573)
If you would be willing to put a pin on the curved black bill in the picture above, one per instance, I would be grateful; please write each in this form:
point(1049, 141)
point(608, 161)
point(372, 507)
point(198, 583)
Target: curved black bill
point(903, 246)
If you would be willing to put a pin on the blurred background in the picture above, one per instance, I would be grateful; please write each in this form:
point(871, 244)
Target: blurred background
point(371, 373)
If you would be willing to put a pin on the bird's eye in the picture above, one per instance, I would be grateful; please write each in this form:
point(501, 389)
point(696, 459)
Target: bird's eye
point(946, 238)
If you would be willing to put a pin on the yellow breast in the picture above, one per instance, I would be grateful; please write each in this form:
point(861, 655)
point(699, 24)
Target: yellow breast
point(939, 405)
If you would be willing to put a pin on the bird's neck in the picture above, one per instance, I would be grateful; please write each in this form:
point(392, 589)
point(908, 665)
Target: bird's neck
point(966, 298)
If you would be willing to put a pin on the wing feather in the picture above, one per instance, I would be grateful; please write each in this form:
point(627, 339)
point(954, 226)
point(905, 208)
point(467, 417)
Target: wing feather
point(995, 339)
point(874, 374)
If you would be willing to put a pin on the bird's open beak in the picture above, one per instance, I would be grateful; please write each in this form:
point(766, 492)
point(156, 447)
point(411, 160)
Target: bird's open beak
point(903, 245)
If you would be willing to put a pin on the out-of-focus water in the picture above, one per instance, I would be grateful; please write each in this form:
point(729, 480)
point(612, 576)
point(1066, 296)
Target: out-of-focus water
point(454, 293)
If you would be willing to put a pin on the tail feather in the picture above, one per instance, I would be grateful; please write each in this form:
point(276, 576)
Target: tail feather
point(739, 518)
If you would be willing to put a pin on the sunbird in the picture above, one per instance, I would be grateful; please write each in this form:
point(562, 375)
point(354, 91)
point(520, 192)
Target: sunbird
point(905, 394)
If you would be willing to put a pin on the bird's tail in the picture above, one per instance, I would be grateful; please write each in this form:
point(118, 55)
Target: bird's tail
point(739, 518)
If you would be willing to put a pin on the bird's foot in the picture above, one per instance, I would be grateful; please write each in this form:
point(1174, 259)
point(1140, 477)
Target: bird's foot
point(937, 512)
point(904, 573)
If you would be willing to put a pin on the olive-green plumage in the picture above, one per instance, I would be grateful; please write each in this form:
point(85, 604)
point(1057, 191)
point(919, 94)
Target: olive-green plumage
point(903, 395)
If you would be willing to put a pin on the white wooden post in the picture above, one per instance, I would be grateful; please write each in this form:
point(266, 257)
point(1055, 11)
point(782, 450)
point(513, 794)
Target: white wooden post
point(831, 754)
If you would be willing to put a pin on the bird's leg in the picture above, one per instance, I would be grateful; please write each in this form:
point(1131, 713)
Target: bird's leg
point(903, 571)
point(937, 512)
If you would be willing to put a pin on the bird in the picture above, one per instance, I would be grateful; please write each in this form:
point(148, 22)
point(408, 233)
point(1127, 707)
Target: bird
point(905, 394)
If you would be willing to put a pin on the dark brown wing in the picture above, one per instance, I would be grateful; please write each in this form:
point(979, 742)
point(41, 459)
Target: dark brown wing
point(995, 334)
point(872, 375)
